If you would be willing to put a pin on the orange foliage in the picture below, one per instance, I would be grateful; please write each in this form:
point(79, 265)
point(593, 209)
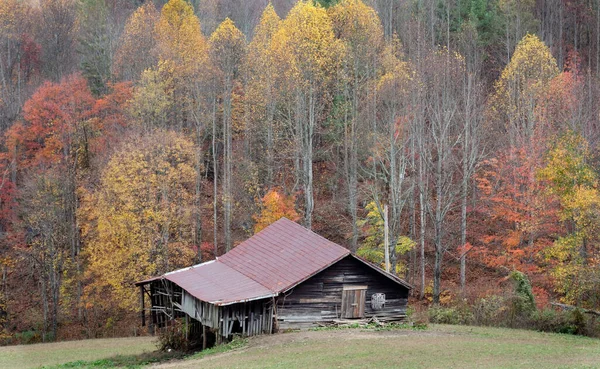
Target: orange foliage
point(52, 116)
point(517, 220)
point(110, 115)
point(63, 119)
point(274, 207)
point(542, 297)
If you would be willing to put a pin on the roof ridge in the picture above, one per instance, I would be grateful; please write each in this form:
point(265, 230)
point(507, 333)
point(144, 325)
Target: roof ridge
point(279, 225)
point(308, 230)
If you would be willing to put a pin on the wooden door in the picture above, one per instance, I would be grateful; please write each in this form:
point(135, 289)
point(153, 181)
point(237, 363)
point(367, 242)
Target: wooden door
point(353, 301)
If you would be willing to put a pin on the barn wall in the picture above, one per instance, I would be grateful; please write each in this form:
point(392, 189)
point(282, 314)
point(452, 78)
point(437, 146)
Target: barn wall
point(169, 301)
point(319, 298)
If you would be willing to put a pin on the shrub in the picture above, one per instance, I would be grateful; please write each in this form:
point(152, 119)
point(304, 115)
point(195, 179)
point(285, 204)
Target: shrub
point(450, 315)
point(174, 337)
point(490, 310)
point(523, 302)
point(549, 320)
point(27, 337)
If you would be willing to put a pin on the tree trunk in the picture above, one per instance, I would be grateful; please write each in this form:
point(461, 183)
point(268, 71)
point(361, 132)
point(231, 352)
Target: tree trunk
point(227, 164)
point(307, 160)
point(215, 176)
point(197, 210)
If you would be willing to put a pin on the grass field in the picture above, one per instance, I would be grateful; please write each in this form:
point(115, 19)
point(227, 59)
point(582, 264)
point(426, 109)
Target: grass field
point(437, 347)
point(35, 356)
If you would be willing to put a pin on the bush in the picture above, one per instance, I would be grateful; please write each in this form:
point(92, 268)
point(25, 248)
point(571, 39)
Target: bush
point(549, 320)
point(523, 302)
point(450, 315)
point(490, 311)
point(27, 337)
point(174, 337)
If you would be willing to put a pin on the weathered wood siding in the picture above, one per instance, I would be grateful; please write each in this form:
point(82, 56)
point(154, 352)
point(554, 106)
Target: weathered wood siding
point(319, 298)
point(169, 301)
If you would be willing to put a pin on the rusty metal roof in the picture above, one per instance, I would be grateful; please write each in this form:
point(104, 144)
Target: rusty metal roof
point(218, 284)
point(282, 255)
point(276, 259)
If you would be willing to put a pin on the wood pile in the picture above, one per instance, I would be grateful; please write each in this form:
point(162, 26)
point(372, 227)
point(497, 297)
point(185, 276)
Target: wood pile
point(370, 322)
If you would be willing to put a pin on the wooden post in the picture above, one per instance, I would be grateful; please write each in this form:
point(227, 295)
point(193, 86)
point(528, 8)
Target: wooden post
point(143, 312)
point(187, 328)
point(203, 337)
point(386, 240)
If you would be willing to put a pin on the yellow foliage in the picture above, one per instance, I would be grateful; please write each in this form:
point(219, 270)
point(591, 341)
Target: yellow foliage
point(12, 14)
point(138, 42)
point(359, 27)
point(372, 248)
point(574, 182)
point(260, 71)
point(228, 46)
point(179, 36)
point(523, 82)
point(143, 212)
point(306, 49)
point(153, 98)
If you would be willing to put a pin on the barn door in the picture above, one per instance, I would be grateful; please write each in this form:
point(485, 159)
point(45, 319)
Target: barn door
point(353, 301)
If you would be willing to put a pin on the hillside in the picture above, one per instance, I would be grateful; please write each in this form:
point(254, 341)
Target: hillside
point(140, 137)
point(439, 346)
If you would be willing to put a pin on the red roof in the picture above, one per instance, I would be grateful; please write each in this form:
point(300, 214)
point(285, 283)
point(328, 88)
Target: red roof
point(218, 284)
point(272, 261)
point(283, 255)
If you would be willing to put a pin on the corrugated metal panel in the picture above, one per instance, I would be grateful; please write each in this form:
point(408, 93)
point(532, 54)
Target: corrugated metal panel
point(218, 284)
point(283, 255)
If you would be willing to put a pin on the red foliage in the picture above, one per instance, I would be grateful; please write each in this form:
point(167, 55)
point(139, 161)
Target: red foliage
point(110, 117)
point(515, 219)
point(30, 62)
point(52, 116)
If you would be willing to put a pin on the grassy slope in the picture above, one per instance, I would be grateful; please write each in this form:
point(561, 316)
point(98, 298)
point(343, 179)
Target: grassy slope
point(33, 356)
point(438, 347)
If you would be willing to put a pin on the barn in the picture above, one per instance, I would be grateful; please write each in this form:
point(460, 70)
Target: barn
point(283, 277)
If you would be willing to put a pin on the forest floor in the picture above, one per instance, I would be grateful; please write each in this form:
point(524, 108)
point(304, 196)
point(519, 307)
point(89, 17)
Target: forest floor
point(438, 346)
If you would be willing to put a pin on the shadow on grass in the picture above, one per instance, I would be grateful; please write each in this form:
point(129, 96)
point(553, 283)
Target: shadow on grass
point(137, 361)
point(124, 361)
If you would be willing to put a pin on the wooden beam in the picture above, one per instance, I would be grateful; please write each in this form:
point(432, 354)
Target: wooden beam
point(143, 311)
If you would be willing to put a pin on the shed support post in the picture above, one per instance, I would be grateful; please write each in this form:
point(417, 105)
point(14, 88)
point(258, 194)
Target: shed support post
point(143, 311)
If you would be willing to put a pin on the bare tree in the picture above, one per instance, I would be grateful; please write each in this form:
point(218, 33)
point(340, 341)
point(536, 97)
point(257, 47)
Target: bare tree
point(442, 75)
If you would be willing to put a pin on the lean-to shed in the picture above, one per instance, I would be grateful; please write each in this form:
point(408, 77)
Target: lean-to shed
point(283, 277)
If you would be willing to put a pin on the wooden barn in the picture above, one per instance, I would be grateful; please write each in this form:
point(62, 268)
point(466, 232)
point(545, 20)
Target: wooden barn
point(284, 277)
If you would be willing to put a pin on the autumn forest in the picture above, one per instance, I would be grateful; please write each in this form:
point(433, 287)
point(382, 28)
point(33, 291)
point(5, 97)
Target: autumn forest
point(137, 138)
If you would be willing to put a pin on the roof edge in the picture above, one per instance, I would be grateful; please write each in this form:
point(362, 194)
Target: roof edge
point(217, 303)
point(149, 280)
point(318, 271)
point(394, 278)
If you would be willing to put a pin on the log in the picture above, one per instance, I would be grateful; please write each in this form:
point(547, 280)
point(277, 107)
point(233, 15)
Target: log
point(571, 307)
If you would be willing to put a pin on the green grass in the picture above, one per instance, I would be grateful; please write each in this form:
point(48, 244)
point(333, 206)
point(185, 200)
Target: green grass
point(438, 346)
point(37, 355)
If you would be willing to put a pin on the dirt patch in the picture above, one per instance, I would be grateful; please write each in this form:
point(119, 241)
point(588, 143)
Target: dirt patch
point(341, 334)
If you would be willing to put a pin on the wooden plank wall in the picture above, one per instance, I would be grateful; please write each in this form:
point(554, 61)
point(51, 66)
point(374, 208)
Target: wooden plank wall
point(319, 298)
point(253, 318)
point(169, 301)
